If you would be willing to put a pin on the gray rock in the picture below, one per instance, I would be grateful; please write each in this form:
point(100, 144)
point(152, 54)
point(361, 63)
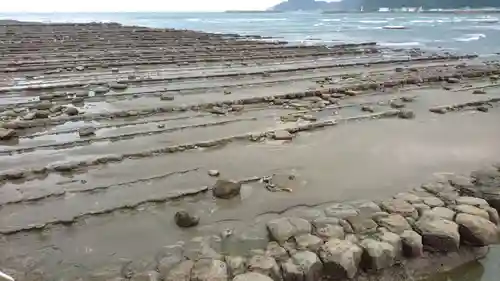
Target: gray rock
point(203, 247)
point(377, 255)
point(362, 224)
point(393, 239)
point(367, 108)
point(244, 239)
point(366, 208)
point(308, 242)
point(412, 244)
point(406, 114)
point(213, 173)
point(340, 259)
point(398, 206)
point(346, 226)
point(181, 272)
point(282, 229)
point(471, 210)
point(421, 208)
point(303, 266)
point(77, 100)
point(473, 201)
point(277, 252)
point(226, 189)
point(408, 197)
point(397, 104)
point(439, 110)
point(118, 86)
point(440, 212)
point(30, 115)
point(100, 90)
point(479, 92)
point(44, 105)
point(266, 266)
point(493, 213)
point(236, 265)
point(252, 276)
point(184, 219)
point(80, 68)
point(341, 211)
point(56, 108)
point(477, 231)
point(146, 276)
point(209, 270)
point(329, 231)
point(453, 80)
point(407, 99)
point(282, 135)
point(167, 97)
point(86, 131)
point(7, 134)
point(433, 202)
point(395, 223)
point(217, 110)
point(438, 234)
point(71, 111)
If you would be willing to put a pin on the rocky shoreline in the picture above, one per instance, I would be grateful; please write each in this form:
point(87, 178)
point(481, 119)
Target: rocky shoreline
point(107, 131)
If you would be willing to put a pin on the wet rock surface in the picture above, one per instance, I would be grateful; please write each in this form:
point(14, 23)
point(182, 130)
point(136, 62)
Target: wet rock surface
point(167, 115)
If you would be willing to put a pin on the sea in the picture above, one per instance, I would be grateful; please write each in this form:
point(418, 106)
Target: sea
point(462, 33)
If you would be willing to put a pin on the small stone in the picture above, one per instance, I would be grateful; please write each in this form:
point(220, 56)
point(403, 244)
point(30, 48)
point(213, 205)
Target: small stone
point(160, 126)
point(397, 104)
point(479, 92)
point(71, 111)
point(118, 86)
point(438, 234)
point(483, 108)
point(252, 276)
point(184, 219)
point(7, 134)
point(167, 97)
point(213, 173)
point(439, 110)
point(80, 68)
point(377, 255)
point(86, 131)
point(407, 99)
point(406, 114)
point(227, 92)
point(477, 231)
point(412, 244)
point(367, 108)
point(282, 135)
point(340, 259)
point(115, 70)
point(226, 189)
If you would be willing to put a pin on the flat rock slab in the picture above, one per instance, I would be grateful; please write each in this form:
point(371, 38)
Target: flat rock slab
point(394, 223)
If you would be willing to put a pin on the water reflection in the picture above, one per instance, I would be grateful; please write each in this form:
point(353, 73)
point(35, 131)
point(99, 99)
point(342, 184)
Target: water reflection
point(484, 270)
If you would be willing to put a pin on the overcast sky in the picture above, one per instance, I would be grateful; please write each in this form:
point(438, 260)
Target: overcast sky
point(132, 5)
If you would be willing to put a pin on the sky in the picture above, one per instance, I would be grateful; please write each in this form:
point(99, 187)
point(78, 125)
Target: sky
point(132, 5)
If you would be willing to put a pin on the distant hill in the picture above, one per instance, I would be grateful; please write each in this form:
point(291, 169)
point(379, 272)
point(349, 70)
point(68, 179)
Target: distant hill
point(310, 5)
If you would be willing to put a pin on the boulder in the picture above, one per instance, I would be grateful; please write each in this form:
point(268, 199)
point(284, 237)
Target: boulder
point(209, 270)
point(236, 265)
point(282, 135)
point(303, 266)
point(377, 255)
point(394, 223)
point(438, 234)
point(476, 231)
point(282, 229)
point(398, 206)
point(308, 242)
point(440, 212)
point(184, 219)
point(412, 244)
point(471, 210)
point(180, 272)
point(361, 224)
point(252, 276)
point(266, 266)
point(340, 259)
point(226, 189)
point(7, 134)
point(406, 114)
point(393, 239)
point(277, 252)
point(146, 276)
point(329, 231)
point(71, 111)
point(86, 131)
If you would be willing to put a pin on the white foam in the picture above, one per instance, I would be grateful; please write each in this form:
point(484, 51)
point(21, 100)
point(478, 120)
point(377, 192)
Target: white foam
point(470, 37)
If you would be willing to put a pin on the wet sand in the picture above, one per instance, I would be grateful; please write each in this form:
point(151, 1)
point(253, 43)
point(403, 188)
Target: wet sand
point(190, 102)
